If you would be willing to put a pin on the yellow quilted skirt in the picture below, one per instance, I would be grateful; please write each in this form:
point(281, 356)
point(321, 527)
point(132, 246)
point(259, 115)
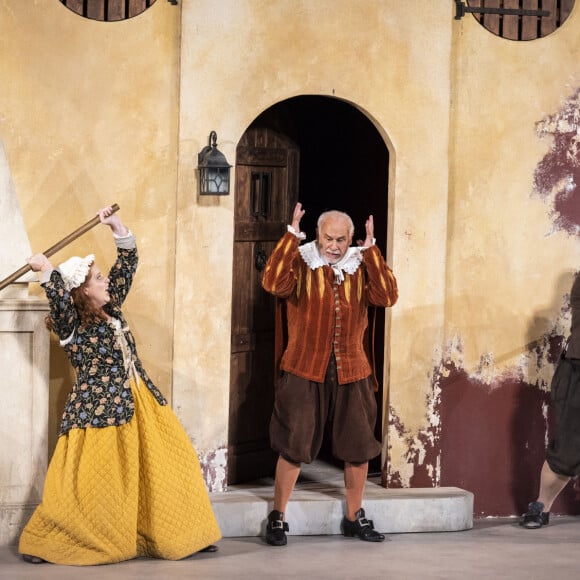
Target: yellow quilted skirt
point(116, 493)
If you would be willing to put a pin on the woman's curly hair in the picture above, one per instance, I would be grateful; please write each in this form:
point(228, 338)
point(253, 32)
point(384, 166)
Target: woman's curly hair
point(88, 312)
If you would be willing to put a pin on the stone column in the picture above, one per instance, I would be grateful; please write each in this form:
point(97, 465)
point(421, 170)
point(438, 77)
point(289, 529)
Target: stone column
point(24, 372)
point(24, 363)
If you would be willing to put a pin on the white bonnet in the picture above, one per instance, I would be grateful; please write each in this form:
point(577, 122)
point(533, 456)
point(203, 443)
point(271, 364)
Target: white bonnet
point(75, 271)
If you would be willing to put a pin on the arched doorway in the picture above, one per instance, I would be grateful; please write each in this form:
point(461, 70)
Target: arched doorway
point(326, 154)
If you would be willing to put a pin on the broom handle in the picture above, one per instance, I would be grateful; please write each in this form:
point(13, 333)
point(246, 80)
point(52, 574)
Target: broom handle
point(58, 246)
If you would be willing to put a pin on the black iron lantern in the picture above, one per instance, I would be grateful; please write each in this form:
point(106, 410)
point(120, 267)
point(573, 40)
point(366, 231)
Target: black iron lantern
point(214, 169)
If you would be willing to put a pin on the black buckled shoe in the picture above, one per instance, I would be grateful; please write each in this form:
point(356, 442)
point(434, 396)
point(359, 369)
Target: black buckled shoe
point(276, 529)
point(211, 548)
point(361, 528)
point(535, 517)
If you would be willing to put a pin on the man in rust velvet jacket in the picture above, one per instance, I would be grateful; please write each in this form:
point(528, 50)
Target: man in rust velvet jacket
point(326, 376)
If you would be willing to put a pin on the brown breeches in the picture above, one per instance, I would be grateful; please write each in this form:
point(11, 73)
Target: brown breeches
point(303, 409)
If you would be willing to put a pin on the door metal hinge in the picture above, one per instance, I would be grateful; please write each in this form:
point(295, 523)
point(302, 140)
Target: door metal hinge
point(461, 9)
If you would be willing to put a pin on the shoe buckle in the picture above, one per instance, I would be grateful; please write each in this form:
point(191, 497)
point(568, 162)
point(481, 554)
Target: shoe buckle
point(363, 522)
point(277, 524)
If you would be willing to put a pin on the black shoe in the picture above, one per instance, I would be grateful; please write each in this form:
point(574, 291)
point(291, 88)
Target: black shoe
point(33, 559)
point(207, 549)
point(276, 529)
point(535, 517)
point(361, 528)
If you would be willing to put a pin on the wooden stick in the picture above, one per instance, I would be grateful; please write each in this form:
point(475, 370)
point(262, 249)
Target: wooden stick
point(58, 246)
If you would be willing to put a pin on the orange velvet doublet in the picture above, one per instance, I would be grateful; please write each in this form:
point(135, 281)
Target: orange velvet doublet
point(323, 315)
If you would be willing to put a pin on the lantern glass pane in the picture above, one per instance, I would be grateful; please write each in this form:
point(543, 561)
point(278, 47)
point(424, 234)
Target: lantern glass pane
point(214, 181)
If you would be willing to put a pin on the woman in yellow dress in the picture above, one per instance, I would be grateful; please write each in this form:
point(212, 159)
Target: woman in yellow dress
point(124, 480)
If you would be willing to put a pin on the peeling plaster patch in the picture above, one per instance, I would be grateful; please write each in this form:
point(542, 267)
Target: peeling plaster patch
point(486, 372)
point(545, 410)
point(213, 467)
point(539, 362)
point(399, 443)
point(465, 411)
point(420, 465)
point(453, 353)
point(492, 440)
point(557, 176)
point(535, 366)
point(495, 425)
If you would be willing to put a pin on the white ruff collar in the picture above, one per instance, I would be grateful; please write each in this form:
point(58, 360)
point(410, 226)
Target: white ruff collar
point(349, 263)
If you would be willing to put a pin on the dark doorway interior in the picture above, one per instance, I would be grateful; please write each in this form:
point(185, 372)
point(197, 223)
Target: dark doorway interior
point(344, 165)
point(344, 162)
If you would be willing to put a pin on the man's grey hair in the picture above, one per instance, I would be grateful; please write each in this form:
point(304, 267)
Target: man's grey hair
point(333, 213)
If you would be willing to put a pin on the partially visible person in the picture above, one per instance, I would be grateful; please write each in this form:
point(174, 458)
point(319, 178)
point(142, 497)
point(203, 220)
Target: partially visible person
point(124, 480)
point(562, 461)
point(327, 379)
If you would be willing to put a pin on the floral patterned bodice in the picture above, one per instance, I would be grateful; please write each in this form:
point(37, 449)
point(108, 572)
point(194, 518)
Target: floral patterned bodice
point(103, 354)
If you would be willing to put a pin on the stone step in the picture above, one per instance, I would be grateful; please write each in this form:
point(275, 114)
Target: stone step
point(317, 506)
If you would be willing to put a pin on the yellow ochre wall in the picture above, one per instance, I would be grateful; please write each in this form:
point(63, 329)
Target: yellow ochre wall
point(89, 117)
point(95, 113)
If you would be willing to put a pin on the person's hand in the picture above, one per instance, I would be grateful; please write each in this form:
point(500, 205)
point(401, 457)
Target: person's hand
point(370, 231)
point(111, 219)
point(297, 216)
point(39, 263)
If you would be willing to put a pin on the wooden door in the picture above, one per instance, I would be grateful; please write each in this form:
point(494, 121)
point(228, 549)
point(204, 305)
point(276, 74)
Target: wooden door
point(266, 191)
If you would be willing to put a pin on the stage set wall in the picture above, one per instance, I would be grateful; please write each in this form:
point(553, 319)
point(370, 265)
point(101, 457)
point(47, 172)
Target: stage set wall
point(482, 236)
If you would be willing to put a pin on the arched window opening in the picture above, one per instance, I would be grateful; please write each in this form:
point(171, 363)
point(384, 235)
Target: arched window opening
point(108, 10)
point(518, 19)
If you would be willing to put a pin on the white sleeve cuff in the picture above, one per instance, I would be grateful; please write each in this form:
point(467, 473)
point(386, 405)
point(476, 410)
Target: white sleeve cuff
point(127, 235)
point(67, 340)
point(45, 276)
point(363, 248)
point(127, 242)
point(299, 235)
